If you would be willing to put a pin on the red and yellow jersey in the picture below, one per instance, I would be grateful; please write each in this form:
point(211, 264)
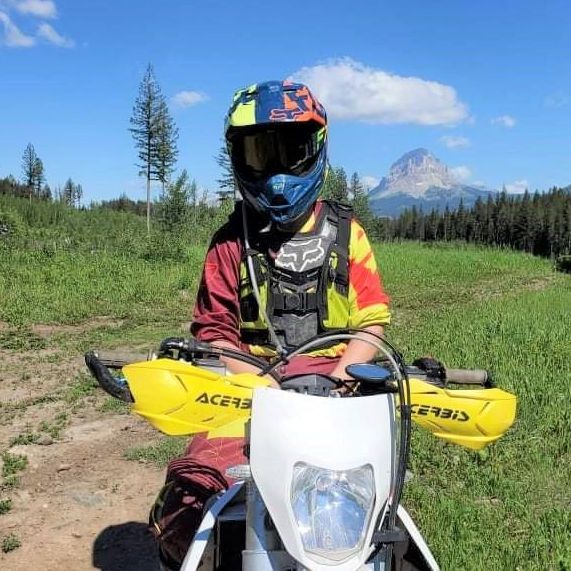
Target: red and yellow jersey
point(217, 309)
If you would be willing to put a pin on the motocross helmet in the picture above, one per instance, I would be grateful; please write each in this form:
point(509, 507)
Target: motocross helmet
point(276, 135)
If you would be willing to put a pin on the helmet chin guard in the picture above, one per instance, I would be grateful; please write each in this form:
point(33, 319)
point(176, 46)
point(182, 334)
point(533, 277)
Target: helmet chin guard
point(285, 198)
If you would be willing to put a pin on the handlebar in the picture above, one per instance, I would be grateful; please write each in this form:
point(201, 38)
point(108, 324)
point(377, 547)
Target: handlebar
point(442, 376)
point(119, 360)
point(468, 377)
point(192, 350)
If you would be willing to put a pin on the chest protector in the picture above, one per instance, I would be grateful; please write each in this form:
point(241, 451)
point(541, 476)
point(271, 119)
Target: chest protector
point(303, 281)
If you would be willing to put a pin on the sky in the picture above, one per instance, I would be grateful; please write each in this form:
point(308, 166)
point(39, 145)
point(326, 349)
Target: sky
point(485, 86)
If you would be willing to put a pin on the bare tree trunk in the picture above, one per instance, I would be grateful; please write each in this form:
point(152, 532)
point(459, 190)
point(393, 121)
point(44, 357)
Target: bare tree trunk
point(148, 207)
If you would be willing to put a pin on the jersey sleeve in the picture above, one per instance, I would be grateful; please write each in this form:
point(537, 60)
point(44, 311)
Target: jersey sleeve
point(368, 302)
point(216, 313)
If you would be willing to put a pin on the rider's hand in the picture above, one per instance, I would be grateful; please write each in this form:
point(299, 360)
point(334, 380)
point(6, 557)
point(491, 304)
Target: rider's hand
point(345, 385)
point(430, 365)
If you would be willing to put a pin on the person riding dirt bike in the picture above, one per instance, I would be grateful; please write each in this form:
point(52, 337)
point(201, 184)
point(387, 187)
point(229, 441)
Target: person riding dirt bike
point(285, 267)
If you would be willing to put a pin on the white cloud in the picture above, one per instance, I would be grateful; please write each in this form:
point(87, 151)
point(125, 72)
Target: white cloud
point(557, 100)
point(461, 173)
point(46, 32)
point(188, 98)
point(39, 8)
point(13, 37)
point(370, 181)
point(454, 142)
point(504, 120)
point(352, 90)
point(35, 9)
point(517, 187)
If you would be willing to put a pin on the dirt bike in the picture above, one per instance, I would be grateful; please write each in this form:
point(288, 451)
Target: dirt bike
point(303, 503)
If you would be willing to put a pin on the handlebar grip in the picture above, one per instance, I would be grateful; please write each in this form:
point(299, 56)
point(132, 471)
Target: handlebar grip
point(469, 377)
point(119, 360)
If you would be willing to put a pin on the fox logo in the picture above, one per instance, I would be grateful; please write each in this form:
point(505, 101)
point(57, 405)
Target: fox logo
point(295, 106)
point(299, 256)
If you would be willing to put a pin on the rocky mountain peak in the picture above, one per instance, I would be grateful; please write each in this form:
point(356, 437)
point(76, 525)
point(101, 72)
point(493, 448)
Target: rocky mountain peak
point(419, 179)
point(413, 174)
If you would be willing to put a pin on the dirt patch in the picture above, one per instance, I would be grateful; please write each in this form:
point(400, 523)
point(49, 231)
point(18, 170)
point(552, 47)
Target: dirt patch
point(537, 284)
point(47, 330)
point(79, 503)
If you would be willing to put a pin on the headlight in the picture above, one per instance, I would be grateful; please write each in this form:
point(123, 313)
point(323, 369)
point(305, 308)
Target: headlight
point(332, 509)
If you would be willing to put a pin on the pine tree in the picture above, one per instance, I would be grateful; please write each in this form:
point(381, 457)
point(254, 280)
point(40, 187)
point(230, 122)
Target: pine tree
point(502, 219)
point(148, 122)
point(68, 192)
point(478, 221)
point(77, 195)
point(335, 186)
point(360, 204)
point(226, 183)
point(174, 204)
point(46, 193)
point(446, 225)
point(39, 177)
point(431, 226)
point(29, 168)
point(166, 149)
point(459, 226)
point(525, 224)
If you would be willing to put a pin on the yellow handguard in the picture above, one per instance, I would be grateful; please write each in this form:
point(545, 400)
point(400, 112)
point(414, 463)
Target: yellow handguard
point(179, 398)
point(471, 418)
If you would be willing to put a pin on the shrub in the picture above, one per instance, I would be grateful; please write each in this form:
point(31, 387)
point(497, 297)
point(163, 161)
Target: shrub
point(563, 264)
point(11, 225)
point(10, 542)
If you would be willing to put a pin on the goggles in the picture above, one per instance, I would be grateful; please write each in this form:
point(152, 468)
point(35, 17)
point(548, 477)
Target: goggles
point(260, 152)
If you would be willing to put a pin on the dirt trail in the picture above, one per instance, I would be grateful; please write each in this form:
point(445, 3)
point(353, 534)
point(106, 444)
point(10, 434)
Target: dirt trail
point(79, 503)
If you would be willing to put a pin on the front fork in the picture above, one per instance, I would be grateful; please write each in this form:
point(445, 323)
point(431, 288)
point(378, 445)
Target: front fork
point(263, 550)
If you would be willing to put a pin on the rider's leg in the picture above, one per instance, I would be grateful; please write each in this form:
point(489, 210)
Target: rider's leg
point(191, 480)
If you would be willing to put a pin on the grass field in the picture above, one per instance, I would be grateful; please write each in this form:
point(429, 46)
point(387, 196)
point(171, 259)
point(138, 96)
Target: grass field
point(508, 507)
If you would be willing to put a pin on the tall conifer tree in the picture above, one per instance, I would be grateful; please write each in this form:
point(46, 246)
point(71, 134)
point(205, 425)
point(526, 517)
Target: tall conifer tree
point(154, 134)
point(166, 149)
point(29, 168)
point(226, 182)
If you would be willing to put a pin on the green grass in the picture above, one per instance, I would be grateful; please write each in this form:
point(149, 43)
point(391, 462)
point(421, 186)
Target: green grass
point(24, 439)
point(12, 464)
point(10, 542)
point(83, 385)
point(111, 404)
point(55, 428)
point(505, 508)
point(508, 507)
point(159, 453)
point(69, 287)
point(5, 506)
point(429, 277)
point(20, 339)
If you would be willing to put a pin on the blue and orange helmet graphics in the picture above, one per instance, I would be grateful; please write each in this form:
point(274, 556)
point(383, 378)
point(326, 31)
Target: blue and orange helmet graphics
point(274, 101)
point(276, 133)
